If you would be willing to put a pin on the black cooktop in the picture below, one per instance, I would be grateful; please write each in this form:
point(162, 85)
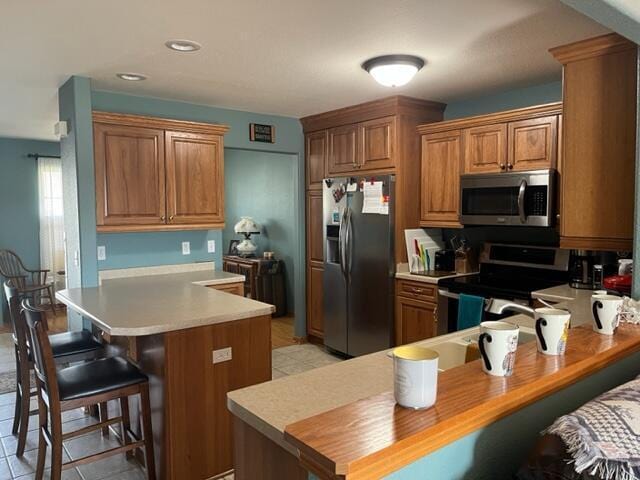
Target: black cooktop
point(504, 282)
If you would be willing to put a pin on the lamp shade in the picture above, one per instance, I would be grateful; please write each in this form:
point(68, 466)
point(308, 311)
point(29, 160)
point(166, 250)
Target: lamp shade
point(246, 225)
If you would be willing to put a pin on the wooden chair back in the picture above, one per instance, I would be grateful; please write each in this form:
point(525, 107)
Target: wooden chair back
point(43, 362)
point(12, 268)
point(18, 322)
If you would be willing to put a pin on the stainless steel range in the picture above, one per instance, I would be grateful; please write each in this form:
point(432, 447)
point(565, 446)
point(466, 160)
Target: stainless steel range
point(507, 272)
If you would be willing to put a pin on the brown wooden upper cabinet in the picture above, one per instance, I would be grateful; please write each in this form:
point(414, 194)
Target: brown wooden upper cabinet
point(485, 149)
point(599, 138)
point(316, 155)
point(157, 174)
point(533, 143)
point(363, 146)
point(440, 179)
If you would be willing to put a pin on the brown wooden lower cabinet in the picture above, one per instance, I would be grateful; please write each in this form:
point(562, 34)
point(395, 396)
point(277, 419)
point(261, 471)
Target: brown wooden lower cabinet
point(235, 288)
point(415, 320)
point(257, 457)
point(315, 321)
point(192, 427)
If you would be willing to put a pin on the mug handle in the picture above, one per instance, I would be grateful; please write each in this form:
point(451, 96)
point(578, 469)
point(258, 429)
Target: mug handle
point(596, 305)
point(483, 352)
point(541, 322)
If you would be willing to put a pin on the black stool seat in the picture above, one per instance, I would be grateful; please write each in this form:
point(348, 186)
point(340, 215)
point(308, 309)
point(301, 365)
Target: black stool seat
point(96, 377)
point(73, 343)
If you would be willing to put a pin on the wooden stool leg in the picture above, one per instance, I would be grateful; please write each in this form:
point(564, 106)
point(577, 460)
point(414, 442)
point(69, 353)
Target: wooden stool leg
point(42, 444)
point(126, 423)
point(25, 384)
point(16, 415)
point(56, 447)
point(147, 431)
point(104, 416)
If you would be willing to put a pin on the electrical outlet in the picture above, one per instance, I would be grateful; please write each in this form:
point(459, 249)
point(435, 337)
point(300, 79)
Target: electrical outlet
point(102, 252)
point(222, 355)
point(211, 246)
point(186, 248)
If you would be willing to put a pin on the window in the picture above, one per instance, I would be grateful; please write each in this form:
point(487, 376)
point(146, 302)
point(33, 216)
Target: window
point(51, 218)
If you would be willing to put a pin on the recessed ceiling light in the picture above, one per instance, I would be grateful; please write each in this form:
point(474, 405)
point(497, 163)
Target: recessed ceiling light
point(393, 70)
point(131, 77)
point(183, 45)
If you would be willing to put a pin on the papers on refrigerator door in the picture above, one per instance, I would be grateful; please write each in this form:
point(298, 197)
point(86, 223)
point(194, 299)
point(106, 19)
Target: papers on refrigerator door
point(373, 199)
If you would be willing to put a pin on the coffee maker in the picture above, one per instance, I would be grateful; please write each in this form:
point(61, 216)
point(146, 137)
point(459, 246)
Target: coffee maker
point(581, 265)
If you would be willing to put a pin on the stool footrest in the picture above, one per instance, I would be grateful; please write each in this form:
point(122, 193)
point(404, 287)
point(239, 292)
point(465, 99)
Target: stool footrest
point(103, 454)
point(91, 428)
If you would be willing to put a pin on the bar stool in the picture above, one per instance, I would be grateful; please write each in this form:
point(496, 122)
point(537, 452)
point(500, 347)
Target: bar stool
point(67, 347)
point(82, 385)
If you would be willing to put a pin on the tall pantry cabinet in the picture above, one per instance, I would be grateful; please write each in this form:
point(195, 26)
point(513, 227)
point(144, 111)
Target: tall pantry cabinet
point(378, 137)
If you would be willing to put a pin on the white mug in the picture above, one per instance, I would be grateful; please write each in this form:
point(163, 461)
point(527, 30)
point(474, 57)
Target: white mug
point(605, 310)
point(415, 376)
point(552, 329)
point(498, 343)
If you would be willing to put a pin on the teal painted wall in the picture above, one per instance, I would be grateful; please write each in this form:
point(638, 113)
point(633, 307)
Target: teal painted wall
point(498, 450)
point(19, 215)
point(126, 250)
point(76, 150)
point(506, 100)
point(258, 184)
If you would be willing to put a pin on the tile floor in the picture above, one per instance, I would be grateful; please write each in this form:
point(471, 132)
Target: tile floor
point(286, 361)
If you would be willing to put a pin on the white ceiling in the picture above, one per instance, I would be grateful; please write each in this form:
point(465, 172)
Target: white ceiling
point(288, 57)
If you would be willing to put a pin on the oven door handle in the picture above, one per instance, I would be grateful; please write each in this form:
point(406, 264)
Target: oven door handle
point(448, 294)
point(521, 192)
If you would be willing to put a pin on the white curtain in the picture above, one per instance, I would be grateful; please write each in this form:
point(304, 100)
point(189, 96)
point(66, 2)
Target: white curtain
point(51, 218)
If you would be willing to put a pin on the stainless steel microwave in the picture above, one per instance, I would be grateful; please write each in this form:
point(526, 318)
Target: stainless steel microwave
point(514, 198)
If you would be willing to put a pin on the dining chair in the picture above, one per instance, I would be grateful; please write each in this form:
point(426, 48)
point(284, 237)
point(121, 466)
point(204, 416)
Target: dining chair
point(31, 283)
point(82, 385)
point(67, 347)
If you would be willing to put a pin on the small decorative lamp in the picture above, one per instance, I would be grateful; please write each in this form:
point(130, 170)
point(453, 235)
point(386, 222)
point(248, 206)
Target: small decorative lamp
point(247, 227)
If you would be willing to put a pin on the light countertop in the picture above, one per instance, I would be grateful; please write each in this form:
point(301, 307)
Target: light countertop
point(269, 407)
point(147, 305)
point(402, 272)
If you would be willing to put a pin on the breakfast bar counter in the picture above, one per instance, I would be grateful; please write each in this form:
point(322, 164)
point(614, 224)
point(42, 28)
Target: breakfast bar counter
point(354, 429)
point(195, 344)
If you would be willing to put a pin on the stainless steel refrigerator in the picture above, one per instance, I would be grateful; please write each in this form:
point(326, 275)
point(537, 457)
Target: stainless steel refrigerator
point(359, 264)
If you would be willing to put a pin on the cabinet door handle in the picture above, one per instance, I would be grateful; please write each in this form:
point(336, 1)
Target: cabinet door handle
point(416, 290)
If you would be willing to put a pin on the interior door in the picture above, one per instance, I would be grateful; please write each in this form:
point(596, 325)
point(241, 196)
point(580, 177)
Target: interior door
point(370, 281)
point(130, 180)
point(195, 178)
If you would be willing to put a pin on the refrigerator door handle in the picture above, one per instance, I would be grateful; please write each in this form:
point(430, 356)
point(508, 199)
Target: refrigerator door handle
point(348, 245)
point(341, 243)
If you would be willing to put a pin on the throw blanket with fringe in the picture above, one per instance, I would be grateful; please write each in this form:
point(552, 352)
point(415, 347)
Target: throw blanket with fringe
point(603, 436)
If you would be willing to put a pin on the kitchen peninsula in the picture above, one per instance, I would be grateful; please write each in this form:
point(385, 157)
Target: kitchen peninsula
point(195, 344)
point(481, 426)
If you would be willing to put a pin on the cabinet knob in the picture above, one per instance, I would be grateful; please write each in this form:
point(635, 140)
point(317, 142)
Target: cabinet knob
point(171, 217)
point(557, 216)
point(162, 218)
point(509, 166)
point(502, 166)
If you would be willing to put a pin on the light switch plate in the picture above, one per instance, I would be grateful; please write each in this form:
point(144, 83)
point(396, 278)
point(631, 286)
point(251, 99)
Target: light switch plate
point(211, 246)
point(186, 248)
point(102, 252)
point(222, 355)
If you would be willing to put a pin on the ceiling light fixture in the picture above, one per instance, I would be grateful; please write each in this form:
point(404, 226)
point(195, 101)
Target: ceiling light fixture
point(131, 77)
point(393, 70)
point(183, 45)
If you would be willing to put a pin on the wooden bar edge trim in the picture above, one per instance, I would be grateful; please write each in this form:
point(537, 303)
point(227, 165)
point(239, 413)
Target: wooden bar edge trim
point(158, 122)
point(544, 110)
point(412, 448)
